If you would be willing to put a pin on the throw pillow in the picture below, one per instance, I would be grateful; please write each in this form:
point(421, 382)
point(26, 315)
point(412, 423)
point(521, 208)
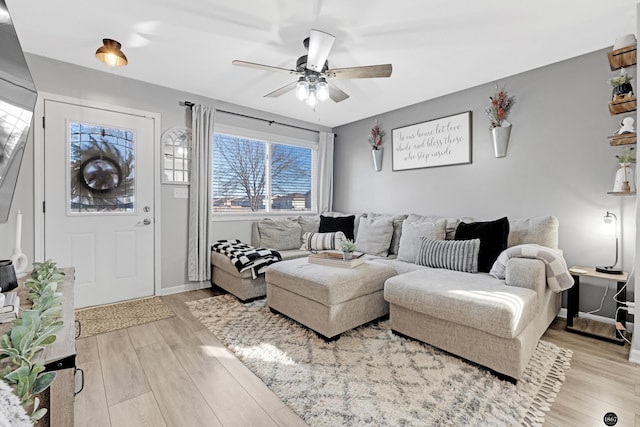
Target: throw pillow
point(309, 224)
point(458, 255)
point(322, 241)
point(279, 235)
point(452, 223)
point(493, 237)
point(413, 231)
point(340, 223)
point(374, 235)
point(541, 231)
point(398, 220)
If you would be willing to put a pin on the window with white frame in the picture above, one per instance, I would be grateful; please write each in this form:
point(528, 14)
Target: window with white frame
point(261, 173)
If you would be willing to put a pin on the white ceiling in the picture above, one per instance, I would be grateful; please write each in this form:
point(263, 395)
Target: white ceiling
point(436, 46)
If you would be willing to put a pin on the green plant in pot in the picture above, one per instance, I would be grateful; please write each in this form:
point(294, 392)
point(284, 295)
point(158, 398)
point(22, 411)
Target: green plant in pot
point(621, 84)
point(347, 246)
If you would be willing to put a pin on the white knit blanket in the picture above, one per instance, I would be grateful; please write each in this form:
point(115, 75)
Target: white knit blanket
point(557, 272)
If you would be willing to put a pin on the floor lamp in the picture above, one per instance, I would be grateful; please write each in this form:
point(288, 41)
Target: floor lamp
point(613, 269)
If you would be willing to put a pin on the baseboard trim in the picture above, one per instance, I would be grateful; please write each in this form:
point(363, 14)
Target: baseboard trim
point(609, 320)
point(634, 356)
point(185, 288)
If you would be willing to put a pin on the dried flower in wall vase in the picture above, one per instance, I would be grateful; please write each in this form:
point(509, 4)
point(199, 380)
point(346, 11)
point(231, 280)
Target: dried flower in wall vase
point(497, 112)
point(375, 140)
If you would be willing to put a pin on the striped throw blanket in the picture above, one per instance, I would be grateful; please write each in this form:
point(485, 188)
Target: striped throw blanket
point(245, 257)
point(557, 272)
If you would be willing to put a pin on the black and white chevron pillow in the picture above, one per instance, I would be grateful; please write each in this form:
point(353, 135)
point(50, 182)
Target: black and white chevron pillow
point(459, 255)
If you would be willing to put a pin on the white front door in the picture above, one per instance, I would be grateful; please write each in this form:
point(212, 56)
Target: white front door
point(99, 200)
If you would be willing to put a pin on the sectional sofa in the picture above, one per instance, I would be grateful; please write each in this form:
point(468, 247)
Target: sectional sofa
point(493, 322)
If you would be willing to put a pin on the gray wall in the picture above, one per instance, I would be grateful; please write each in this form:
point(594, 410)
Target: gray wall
point(106, 88)
point(559, 163)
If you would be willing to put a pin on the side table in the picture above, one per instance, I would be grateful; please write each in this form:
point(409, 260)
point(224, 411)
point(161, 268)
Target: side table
point(589, 327)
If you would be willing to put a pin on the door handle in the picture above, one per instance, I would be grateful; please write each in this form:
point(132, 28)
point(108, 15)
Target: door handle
point(146, 221)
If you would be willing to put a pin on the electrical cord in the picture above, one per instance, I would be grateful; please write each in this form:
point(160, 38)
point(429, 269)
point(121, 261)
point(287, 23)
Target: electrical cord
point(621, 332)
point(606, 290)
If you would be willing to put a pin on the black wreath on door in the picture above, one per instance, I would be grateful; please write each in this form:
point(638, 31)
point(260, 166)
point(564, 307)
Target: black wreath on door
point(102, 175)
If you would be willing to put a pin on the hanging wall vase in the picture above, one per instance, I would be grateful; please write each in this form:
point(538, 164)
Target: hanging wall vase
point(501, 139)
point(8, 280)
point(377, 159)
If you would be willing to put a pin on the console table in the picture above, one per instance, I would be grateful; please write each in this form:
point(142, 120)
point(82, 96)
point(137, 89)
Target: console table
point(589, 327)
point(60, 356)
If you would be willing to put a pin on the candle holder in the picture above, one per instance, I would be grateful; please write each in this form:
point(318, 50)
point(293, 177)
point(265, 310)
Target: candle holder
point(19, 259)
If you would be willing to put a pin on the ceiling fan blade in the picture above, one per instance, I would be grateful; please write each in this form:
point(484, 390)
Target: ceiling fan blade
point(284, 89)
point(263, 67)
point(337, 94)
point(366, 72)
point(320, 43)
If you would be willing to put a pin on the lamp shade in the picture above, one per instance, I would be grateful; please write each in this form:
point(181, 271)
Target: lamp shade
point(110, 53)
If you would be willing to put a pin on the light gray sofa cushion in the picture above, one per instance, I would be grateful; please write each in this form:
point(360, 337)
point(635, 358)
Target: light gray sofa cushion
point(280, 235)
point(540, 231)
point(398, 220)
point(452, 223)
point(478, 300)
point(412, 232)
point(374, 235)
point(309, 224)
point(458, 255)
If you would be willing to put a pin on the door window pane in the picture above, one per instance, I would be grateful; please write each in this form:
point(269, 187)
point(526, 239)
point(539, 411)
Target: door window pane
point(102, 169)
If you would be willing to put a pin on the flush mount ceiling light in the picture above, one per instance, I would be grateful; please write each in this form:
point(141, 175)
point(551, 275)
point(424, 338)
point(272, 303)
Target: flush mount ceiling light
point(110, 53)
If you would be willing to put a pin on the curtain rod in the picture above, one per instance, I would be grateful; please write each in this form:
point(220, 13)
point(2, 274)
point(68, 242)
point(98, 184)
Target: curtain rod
point(191, 104)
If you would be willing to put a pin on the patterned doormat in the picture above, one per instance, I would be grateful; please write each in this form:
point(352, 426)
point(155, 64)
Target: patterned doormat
point(107, 318)
point(372, 377)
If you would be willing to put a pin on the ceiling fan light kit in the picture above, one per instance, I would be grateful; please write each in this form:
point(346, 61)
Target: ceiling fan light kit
point(313, 72)
point(110, 53)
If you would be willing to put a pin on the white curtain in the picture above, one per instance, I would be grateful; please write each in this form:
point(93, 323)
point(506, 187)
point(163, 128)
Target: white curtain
point(325, 176)
point(199, 264)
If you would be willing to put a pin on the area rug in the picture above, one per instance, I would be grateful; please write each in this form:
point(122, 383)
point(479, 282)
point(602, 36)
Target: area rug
point(107, 318)
point(372, 377)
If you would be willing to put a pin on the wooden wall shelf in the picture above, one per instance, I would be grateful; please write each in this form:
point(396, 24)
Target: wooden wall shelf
point(622, 193)
point(623, 105)
point(624, 139)
point(624, 57)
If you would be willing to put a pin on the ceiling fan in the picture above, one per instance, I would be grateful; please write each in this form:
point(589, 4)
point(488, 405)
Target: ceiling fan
point(313, 72)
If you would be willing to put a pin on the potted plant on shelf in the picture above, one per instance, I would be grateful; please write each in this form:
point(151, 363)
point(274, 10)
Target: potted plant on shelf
point(625, 180)
point(375, 140)
point(621, 85)
point(348, 247)
point(497, 112)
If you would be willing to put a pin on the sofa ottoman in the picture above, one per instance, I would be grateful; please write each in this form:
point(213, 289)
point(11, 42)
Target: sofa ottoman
point(328, 300)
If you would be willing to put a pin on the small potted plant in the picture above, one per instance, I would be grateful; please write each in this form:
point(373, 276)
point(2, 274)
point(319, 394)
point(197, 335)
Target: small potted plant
point(347, 246)
point(621, 84)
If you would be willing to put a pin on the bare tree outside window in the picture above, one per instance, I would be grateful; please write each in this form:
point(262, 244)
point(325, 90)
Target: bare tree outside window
point(241, 175)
